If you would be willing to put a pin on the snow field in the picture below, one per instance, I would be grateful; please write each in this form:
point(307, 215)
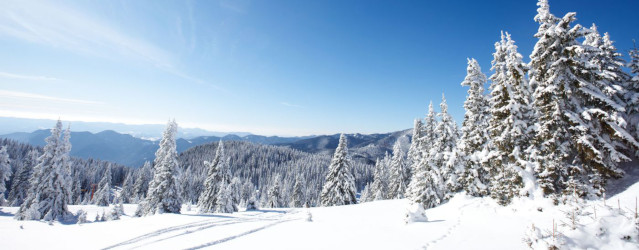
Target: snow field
point(462, 223)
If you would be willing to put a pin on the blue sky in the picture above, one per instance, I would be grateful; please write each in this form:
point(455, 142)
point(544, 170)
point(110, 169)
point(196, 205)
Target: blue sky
point(266, 67)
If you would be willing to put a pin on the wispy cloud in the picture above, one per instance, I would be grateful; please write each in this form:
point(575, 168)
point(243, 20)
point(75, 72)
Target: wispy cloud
point(31, 96)
point(291, 105)
point(52, 24)
point(236, 6)
point(59, 26)
point(27, 77)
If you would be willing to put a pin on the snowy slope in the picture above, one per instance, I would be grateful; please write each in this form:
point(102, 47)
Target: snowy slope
point(462, 223)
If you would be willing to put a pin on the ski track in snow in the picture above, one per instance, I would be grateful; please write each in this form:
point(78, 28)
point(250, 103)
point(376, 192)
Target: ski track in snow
point(238, 235)
point(203, 225)
point(450, 230)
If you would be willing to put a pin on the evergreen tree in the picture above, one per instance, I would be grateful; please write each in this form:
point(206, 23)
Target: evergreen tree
point(49, 191)
point(443, 160)
point(422, 188)
point(474, 140)
point(274, 194)
point(141, 185)
point(127, 188)
point(632, 95)
point(298, 198)
point(102, 196)
point(163, 194)
point(5, 171)
point(414, 151)
point(365, 194)
point(339, 187)
point(224, 202)
point(510, 126)
point(208, 198)
point(20, 184)
point(379, 188)
point(399, 175)
point(580, 126)
point(428, 185)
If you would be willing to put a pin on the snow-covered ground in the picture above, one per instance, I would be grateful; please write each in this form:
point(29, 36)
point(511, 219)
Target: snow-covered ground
point(462, 223)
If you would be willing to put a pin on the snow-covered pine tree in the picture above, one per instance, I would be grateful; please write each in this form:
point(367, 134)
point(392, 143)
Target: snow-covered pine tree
point(613, 81)
point(379, 187)
point(580, 127)
point(414, 151)
point(127, 188)
point(252, 202)
point(102, 196)
point(274, 194)
point(364, 196)
point(141, 185)
point(65, 160)
point(339, 187)
point(5, 172)
point(399, 175)
point(427, 186)
point(224, 202)
point(20, 184)
point(236, 192)
point(429, 132)
point(474, 141)
point(632, 95)
point(298, 197)
point(208, 197)
point(163, 194)
point(443, 161)
point(510, 125)
point(49, 191)
point(422, 189)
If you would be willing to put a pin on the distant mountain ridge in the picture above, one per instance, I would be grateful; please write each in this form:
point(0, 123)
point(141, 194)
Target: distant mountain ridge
point(369, 147)
point(131, 151)
point(128, 150)
point(12, 125)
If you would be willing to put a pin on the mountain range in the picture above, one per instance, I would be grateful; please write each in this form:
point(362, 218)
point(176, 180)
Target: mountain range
point(151, 131)
point(131, 151)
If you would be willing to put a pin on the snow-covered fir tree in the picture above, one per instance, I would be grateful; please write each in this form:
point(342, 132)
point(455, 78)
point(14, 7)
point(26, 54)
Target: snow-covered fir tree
point(364, 195)
point(443, 158)
point(274, 196)
point(339, 187)
point(163, 194)
point(298, 198)
point(474, 140)
point(399, 173)
point(632, 95)
point(612, 79)
point(580, 126)
point(208, 199)
point(21, 180)
point(5, 171)
point(141, 185)
point(415, 150)
point(49, 190)
point(428, 185)
point(510, 124)
point(127, 188)
point(379, 187)
point(224, 202)
point(102, 196)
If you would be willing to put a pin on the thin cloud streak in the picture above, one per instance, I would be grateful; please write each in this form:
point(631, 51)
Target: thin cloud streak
point(291, 105)
point(27, 77)
point(31, 96)
point(57, 26)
